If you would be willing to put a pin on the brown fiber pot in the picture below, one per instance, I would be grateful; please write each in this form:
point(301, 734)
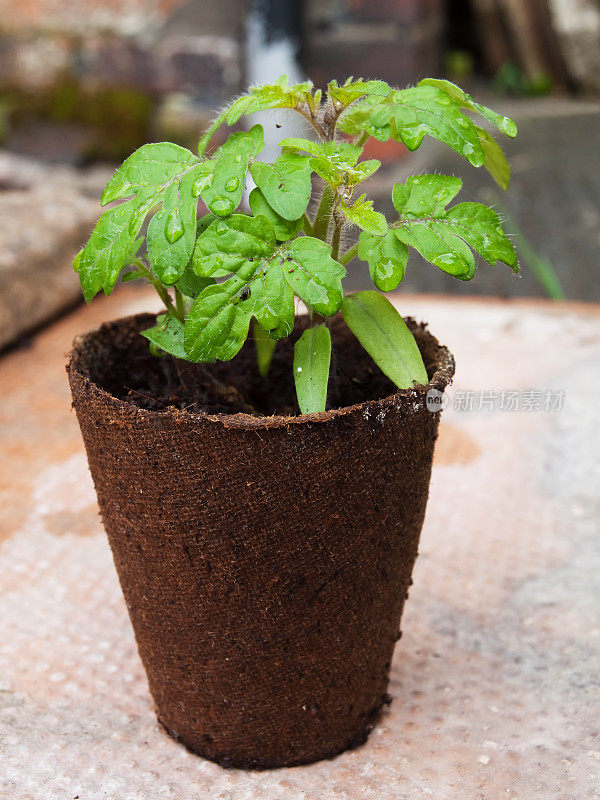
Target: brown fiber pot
point(265, 561)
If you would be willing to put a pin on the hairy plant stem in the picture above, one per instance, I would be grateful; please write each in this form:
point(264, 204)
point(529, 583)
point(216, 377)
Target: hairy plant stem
point(308, 226)
point(323, 215)
point(348, 255)
point(178, 310)
point(179, 304)
point(335, 239)
point(315, 318)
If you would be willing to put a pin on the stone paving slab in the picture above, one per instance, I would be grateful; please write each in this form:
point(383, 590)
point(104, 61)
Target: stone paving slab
point(46, 213)
point(495, 681)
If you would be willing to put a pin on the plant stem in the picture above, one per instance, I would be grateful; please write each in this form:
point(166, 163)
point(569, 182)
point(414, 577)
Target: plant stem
point(179, 304)
point(323, 215)
point(361, 140)
point(308, 228)
point(164, 295)
point(312, 121)
point(205, 140)
point(335, 240)
point(315, 318)
point(166, 298)
point(349, 255)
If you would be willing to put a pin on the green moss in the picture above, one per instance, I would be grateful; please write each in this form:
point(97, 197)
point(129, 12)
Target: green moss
point(120, 118)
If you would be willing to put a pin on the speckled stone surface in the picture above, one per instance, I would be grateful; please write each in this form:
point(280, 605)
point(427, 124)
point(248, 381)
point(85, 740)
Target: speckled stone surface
point(495, 681)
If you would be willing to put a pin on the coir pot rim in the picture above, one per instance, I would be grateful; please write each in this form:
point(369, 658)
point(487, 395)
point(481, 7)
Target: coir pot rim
point(441, 377)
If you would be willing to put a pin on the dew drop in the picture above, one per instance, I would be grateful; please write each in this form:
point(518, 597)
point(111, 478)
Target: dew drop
point(238, 159)
point(232, 184)
point(174, 229)
point(222, 207)
point(198, 185)
point(468, 149)
point(221, 229)
point(507, 126)
point(298, 369)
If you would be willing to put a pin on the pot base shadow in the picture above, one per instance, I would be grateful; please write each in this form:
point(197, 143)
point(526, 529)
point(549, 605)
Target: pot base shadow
point(264, 560)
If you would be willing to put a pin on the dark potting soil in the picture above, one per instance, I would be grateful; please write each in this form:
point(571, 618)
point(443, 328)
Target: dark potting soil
point(159, 384)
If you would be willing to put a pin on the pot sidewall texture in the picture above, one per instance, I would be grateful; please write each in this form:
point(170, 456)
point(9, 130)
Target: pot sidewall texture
point(264, 561)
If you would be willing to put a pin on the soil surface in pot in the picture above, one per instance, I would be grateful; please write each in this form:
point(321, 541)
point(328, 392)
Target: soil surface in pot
point(158, 384)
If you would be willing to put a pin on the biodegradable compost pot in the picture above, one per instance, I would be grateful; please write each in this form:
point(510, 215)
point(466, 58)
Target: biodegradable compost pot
point(265, 560)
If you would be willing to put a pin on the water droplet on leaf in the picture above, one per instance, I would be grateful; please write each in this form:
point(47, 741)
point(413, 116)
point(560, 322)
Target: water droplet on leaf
point(221, 229)
point(222, 207)
point(232, 184)
point(198, 185)
point(174, 229)
point(507, 126)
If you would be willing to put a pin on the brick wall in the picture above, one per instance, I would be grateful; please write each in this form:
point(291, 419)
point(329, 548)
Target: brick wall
point(397, 40)
point(92, 79)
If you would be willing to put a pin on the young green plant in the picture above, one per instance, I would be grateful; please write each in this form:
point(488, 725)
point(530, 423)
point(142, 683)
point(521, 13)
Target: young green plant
point(235, 267)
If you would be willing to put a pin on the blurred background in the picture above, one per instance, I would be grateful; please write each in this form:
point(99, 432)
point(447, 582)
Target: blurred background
point(84, 82)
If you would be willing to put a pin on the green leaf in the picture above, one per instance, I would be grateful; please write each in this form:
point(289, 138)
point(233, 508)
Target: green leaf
point(363, 170)
point(312, 357)
point(384, 335)
point(482, 229)
point(271, 298)
point(246, 246)
point(353, 90)
point(424, 195)
point(229, 244)
point(344, 153)
point(277, 95)
point(285, 184)
point(410, 114)
point(222, 192)
point(109, 248)
point(284, 229)
point(495, 160)
point(439, 246)
point(217, 325)
point(167, 334)
point(443, 236)
point(172, 231)
point(314, 275)
point(504, 124)
point(386, 256)
point(265, 347)
point(334, 162)
point(152, 166)
point(191, 284)
point(362, 213)
point(428, 110)
point(357, 118)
